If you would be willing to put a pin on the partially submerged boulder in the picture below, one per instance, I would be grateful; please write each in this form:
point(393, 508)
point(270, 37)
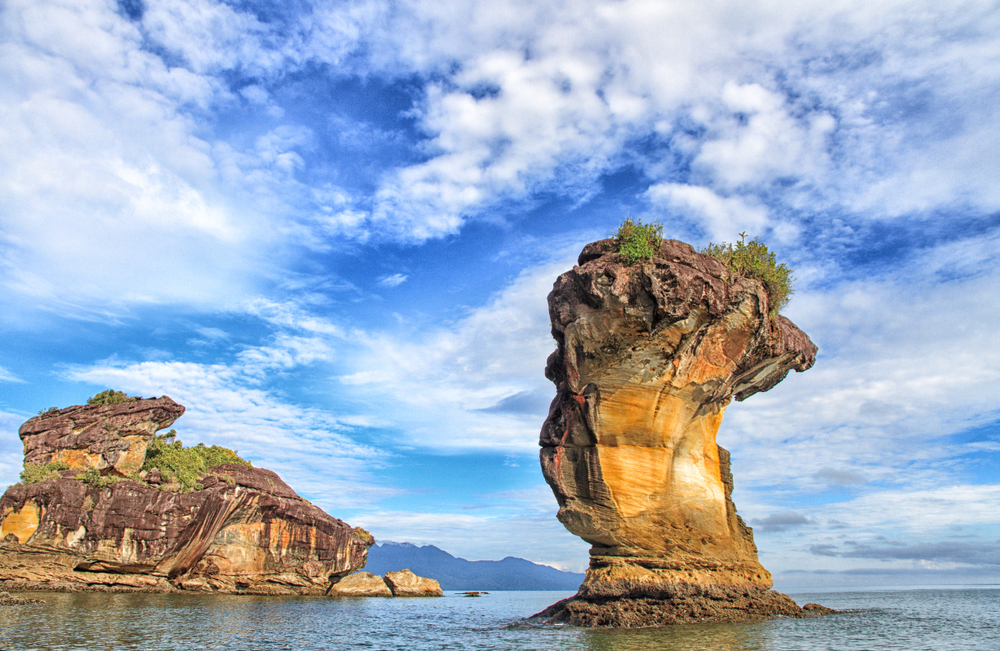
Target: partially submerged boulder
point(407, 584)
point(393, 584)
point(360, 584)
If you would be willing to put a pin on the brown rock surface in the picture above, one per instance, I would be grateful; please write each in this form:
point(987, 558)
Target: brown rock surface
point(361, 584)
point(649, 356)
point(245, 531)
point(407, 584)
point(106, 437)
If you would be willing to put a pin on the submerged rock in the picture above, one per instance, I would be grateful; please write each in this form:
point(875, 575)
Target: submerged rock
point(649, 356)
point(242, 530)
point(7, 599)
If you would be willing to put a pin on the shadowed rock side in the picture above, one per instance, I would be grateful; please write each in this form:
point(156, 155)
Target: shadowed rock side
point(244, 531)
point(649, 356)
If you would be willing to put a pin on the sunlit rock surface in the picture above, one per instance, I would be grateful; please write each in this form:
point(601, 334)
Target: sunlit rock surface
point(649, 356)
point(244, 531)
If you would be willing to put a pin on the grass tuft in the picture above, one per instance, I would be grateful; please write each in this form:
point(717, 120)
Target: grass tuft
point(111, 397)
point(638, 241)
point(36, 472)
point(754, 260)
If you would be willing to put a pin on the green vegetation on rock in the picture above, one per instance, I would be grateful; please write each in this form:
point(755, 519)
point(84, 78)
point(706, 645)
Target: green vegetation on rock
point(93, 478)
point(185, 465)
point(36, 472)
point(111, 397)
point(638, 241)
point(753, 260)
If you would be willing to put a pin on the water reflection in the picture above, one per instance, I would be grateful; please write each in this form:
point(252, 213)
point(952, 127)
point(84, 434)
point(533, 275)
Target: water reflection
point(698, 637)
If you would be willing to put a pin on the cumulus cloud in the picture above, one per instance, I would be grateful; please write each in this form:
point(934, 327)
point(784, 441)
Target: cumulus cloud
point(477, 383)
point(142, 131)
point(314, 451)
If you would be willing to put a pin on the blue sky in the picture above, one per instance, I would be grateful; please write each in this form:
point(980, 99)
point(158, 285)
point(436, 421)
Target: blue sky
point(328, 229)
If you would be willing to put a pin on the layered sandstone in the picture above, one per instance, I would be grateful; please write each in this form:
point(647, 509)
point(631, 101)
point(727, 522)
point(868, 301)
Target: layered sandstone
point(243, 530)
point(649, 356)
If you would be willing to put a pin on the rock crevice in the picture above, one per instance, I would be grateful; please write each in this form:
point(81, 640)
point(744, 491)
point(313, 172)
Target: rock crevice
point(649, 357)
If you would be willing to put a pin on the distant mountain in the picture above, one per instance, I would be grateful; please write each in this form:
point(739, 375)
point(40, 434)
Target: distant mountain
point(459, 574)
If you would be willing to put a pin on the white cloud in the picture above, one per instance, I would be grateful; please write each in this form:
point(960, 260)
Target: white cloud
point(445, 388)
point(313, 451)
point(394, 280)
point(722, 217)
point(11, 449)
point(7, 376)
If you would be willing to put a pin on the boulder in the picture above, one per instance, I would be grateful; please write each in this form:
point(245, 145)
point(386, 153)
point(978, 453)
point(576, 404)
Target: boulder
point(360, 584)
point(648, 358)
point(407, 584)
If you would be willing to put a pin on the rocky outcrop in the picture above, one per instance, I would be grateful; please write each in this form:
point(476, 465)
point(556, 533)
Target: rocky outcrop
point(243, 530)
point(109, 438)
point(649, 356)
point(394, 584)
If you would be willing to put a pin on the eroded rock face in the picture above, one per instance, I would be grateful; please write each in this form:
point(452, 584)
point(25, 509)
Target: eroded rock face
point(107, 437)
point(649, 356)
point(245, 531)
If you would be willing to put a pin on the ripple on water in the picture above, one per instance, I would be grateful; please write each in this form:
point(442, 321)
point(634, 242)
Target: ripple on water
point(918, 620)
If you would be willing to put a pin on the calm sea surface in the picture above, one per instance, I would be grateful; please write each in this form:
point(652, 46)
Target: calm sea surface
point(913, 620)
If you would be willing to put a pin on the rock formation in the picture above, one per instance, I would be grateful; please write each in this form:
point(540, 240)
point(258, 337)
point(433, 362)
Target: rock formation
point(394, 584)
point(649, 356)
point(242, 530)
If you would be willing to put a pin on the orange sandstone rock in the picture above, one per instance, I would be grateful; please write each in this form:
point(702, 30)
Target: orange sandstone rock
point(649, 356)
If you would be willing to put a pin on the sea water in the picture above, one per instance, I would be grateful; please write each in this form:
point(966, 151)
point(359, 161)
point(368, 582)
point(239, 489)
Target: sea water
point(910, 620)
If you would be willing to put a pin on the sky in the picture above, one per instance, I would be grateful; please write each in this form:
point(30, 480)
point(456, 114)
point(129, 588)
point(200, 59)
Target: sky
point(329, 228)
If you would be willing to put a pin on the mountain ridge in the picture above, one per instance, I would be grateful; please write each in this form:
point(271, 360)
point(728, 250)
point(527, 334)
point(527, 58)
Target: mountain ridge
point(454, 573)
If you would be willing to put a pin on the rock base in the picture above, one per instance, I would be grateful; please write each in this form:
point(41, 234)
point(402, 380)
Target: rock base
point(700, 604)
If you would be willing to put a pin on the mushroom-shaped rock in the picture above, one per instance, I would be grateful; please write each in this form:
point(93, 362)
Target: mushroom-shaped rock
point(649, 356)
point(102, 437)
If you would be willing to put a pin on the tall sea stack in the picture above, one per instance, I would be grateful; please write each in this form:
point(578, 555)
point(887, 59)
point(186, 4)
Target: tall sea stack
point(649, 356)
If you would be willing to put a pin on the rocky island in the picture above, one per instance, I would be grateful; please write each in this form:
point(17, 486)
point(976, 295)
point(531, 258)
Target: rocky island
point(88, 517)
point(650, 354)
